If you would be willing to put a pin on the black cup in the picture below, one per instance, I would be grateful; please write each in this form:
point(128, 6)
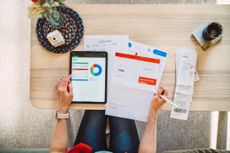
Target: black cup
point(212, 31)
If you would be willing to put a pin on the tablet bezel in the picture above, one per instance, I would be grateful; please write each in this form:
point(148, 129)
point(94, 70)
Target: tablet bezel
point(90, 54)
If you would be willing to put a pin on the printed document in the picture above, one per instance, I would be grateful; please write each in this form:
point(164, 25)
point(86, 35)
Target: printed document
point(135, 77)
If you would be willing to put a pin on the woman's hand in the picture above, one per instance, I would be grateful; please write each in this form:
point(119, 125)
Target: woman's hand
point(65, 94)
point(157, 101)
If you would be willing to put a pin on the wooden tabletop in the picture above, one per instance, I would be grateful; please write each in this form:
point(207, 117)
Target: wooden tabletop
point(164, 26)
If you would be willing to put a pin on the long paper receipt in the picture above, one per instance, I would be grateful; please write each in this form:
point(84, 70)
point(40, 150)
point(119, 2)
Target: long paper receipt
point(186, 67)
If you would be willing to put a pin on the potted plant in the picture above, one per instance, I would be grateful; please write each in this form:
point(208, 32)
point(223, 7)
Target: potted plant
point(47, 9)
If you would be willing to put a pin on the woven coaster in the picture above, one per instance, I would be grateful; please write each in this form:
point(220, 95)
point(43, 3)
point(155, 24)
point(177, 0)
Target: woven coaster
point(72, 30)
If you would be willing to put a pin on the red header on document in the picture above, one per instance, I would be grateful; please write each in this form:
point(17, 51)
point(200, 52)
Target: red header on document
point(148, 81)
point(140, 58)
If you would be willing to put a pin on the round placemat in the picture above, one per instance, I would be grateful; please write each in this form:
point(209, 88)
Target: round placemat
point(72, 30)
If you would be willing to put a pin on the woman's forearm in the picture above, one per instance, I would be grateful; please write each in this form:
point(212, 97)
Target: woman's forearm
point(59, 142)
point(148, 141)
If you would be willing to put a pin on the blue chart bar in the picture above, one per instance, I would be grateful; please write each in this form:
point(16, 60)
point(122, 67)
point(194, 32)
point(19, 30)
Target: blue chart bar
point(79, 79)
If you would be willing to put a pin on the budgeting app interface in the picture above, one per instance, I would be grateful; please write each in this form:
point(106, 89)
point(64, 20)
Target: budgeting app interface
point(88, 79)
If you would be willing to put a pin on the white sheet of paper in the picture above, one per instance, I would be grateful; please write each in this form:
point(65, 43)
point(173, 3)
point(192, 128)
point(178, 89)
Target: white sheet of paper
point(126, 98)
point(108, 43)
point(129, 103)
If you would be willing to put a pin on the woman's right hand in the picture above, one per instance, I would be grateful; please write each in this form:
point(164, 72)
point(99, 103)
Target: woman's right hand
point(65, 94)
point(157, 101)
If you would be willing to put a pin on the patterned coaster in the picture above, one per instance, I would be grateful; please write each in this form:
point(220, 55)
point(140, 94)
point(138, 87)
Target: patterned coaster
point(72, 30)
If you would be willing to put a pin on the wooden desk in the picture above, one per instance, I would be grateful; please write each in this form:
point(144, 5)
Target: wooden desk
point(163, 26)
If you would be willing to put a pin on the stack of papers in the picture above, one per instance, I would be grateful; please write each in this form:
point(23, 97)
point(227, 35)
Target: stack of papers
point(135, 71)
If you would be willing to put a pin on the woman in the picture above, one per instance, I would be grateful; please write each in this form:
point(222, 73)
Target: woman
point(91, 134)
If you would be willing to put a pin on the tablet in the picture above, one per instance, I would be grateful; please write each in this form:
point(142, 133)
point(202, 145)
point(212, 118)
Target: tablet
point(89, 76)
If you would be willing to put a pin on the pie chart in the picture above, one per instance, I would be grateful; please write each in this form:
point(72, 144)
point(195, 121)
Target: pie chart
point(96, 70)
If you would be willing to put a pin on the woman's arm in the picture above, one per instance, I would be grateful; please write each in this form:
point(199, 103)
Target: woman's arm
point(59, 142)
point(148, 141)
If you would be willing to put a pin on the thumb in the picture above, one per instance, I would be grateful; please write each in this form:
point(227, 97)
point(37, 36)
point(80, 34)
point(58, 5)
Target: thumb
point(70, 89)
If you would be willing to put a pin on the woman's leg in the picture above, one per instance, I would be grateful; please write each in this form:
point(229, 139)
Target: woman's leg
point(92, 130)
point(123, 135)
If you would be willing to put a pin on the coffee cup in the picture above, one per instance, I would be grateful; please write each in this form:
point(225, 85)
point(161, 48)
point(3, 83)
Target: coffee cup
point(212, 31)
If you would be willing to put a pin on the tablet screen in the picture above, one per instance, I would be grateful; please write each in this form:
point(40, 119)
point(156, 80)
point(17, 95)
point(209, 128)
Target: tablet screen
point(88, 71)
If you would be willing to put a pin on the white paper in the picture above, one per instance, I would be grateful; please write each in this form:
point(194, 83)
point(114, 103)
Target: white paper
point(108, 43)
point(127, 98)
point(129, 103)
point(185, 77)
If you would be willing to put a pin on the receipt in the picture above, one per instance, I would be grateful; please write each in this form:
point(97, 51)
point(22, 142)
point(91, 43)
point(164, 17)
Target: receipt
point(185, 76)
point(183, 102)
point(186, 90)
point(186, 71)
point(178, 57)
